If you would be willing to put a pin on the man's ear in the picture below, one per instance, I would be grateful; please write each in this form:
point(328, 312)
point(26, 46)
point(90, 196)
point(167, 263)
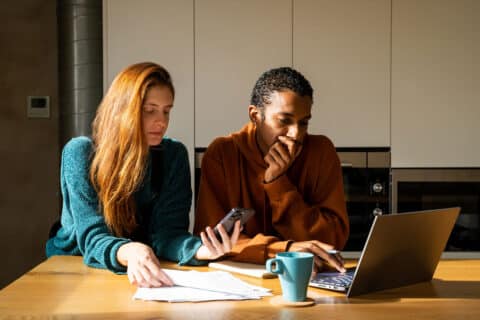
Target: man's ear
point(254, 114)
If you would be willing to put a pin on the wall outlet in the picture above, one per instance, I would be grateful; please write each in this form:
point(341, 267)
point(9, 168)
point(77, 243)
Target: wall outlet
point(38, 107)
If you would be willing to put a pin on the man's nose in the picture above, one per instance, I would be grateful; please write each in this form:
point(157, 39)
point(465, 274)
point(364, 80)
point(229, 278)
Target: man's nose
point(293, 132)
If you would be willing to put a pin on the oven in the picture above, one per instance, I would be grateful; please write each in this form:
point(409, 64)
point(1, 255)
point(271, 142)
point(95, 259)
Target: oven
point(366, 177)
point(425, 189)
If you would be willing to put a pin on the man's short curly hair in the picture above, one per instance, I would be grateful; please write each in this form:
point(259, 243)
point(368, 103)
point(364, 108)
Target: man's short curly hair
point(279, 79)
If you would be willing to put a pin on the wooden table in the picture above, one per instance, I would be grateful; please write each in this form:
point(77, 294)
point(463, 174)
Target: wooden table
point(63, 287)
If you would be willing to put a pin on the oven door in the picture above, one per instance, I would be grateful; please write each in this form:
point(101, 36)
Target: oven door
point(366, 177)
point(425, 189)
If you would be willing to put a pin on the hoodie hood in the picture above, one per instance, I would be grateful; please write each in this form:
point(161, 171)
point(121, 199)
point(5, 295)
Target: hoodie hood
point(246, 141)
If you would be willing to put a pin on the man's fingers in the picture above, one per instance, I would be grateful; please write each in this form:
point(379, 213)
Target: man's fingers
point(294, 147)
point(281, 153)
point(318, 265)
point(333, 261)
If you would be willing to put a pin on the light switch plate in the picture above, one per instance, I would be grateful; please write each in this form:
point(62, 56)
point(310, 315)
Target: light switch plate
point(38, 107)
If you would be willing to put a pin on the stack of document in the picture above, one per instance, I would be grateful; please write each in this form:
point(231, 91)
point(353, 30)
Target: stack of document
point(195, 286)
point(249, 269)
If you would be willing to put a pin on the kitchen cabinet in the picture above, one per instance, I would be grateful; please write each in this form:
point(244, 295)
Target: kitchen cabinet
point(343, 48)
point(160, 31)
point(435, 83)
point(235, 42)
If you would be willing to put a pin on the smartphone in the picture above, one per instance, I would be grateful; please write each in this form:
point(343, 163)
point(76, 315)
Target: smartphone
point(229, 220)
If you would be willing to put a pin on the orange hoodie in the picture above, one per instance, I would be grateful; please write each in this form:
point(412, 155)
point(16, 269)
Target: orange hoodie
point(306, 203)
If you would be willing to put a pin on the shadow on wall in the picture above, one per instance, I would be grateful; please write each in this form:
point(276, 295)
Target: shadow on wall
point(29, 155)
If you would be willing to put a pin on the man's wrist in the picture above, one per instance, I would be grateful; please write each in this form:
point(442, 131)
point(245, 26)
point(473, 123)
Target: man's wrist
point(289, 244)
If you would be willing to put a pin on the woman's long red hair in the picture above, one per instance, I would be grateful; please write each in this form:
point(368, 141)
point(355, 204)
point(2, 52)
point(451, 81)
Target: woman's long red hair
point(120, 148)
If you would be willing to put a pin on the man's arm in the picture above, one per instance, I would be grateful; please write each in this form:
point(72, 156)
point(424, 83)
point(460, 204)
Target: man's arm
point(212, 201)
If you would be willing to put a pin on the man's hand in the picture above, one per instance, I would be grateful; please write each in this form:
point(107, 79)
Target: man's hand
point(319, 249)
point(212, 248)
point(143, 267)
point(280, 157)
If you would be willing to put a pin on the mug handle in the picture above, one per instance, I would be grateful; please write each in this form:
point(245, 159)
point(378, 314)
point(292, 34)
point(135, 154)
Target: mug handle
point(278, 266)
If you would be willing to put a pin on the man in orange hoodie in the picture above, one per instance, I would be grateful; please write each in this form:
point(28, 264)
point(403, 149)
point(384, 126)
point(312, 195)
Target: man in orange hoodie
point(292, 180)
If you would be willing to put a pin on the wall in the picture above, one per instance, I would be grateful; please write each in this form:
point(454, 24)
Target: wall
point(29, 161)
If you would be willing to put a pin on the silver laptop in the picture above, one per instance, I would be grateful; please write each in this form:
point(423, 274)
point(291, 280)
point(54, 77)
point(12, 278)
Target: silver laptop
point(401, 249)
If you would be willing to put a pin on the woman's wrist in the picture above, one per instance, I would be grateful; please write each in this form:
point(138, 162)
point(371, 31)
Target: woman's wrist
point(123, 253)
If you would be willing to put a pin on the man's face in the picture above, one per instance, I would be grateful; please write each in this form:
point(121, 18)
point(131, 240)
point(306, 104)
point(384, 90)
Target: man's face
point(287, 115)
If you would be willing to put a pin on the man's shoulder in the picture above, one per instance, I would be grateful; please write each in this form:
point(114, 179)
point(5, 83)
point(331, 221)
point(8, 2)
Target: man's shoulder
point(320, 143)
point(221, 144)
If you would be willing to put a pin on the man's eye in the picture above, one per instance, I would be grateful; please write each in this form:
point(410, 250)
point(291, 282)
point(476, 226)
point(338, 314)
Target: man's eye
point(304, 123)
point(285, 121)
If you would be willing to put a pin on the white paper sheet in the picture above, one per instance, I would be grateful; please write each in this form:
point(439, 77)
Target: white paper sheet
point(197, 286)
point(249, 269)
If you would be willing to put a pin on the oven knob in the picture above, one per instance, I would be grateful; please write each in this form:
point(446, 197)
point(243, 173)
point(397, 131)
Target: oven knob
point(377, 187)
point(377, 212)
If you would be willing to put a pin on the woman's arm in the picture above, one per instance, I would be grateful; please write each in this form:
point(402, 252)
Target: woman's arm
point(83, 227)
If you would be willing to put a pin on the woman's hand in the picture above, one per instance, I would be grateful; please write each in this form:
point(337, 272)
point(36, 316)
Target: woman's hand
point(143, 267)
point(212, 248)
point(321, 255)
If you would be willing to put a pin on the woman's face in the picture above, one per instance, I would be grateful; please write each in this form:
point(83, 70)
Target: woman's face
point(156, 113)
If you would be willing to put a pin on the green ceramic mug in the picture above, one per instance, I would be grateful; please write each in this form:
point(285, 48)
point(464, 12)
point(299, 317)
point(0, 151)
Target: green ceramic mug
point(294, 270)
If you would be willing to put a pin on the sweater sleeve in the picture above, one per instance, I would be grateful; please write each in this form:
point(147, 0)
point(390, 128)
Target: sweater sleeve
point(82, 223)
point(324, 217)
point(168, 229)
point(212, 202)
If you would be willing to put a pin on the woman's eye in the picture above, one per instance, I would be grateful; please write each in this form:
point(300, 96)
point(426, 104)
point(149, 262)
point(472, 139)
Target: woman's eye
point(148, 110)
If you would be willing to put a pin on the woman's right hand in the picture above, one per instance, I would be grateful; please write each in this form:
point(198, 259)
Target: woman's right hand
point(143, 267)
point(212, 248)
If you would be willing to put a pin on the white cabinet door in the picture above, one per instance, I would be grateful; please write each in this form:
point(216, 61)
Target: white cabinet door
point(436, 83)
point(235, 41)
point(343, 48)
point(160, 31)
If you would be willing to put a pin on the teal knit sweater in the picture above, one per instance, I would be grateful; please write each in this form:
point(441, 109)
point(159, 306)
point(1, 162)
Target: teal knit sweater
point(162, 201)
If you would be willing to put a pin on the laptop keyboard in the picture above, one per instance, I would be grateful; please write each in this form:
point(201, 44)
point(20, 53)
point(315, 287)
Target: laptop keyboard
point(333, 280)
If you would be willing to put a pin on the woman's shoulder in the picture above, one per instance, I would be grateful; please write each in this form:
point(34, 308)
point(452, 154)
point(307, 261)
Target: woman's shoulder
point(77, 151)
point(77, 145)
point(172, 145)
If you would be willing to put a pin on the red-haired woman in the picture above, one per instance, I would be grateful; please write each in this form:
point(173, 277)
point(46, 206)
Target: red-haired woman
point(126, 191)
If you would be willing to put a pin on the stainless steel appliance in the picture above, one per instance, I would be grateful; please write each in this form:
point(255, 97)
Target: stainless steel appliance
point(424, 189)
point(366, 176)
